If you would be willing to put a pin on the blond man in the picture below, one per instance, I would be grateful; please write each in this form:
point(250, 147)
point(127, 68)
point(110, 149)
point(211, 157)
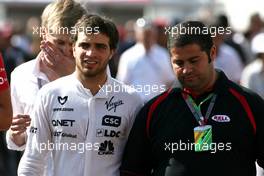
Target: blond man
point(55, 60)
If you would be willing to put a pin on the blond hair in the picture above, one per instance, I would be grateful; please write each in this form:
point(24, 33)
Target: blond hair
point(61, 13)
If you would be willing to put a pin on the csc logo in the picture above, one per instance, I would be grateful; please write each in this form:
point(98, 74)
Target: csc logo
point(113, 121)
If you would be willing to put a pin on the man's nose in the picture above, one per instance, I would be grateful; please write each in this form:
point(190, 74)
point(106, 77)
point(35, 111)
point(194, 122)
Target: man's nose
point(187, 68)
point(91, 51)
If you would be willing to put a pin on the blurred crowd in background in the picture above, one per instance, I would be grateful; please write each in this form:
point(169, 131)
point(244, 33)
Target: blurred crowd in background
point(240, 56)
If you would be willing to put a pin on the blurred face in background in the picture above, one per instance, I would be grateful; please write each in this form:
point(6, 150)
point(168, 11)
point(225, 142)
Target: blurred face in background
point(146, 36)
point(5, 36)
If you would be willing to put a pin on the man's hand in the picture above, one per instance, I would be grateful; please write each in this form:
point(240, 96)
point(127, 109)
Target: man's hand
point(18, 128)
point(54, 59)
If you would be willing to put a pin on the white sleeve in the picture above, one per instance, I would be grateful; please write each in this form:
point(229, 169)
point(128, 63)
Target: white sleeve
point(17, 109)
point(39, 140)
point(11, 145)
point(236, 68)
point(170, 76)
point(14, 83)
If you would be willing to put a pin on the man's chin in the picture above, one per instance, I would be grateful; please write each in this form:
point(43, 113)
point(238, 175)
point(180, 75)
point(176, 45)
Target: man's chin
point(93, 73)
point(90, 74)
point(190, 86)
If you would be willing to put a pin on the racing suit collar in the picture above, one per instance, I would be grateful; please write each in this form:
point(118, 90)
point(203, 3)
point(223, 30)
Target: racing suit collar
point(36, 70)
point(102, 93)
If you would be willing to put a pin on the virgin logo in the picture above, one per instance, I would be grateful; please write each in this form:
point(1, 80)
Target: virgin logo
point(221, 118)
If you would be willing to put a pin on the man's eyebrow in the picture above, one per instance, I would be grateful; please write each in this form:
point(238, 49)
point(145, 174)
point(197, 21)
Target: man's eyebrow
point(59, 40)
point(84, 42)
point(101, 44)
point(190, 58)
point(193, 57)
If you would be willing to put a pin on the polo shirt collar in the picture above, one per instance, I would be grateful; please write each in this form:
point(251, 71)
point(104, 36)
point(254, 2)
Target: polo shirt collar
point(103, 91)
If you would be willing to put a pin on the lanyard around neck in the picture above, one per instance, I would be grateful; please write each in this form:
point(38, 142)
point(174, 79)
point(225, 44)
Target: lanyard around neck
point(196, 110)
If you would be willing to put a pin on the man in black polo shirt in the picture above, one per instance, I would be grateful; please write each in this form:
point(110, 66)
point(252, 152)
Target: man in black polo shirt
point(210, 126)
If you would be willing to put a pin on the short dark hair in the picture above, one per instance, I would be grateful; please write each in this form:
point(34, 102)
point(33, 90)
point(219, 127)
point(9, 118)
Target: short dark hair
point(199, 37)
point(104, 26)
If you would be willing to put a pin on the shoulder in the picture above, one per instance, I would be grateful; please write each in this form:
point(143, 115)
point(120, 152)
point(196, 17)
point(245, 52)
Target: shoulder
point(229, 90)
point(241, 92)
point(252, 68)
point(251, 102)
point(129, 52)
point(132, 54)
point(25, 68)
point(133, 48)
point(228, 50)
point(23, 75)
point(161, 51)
point(157, 107)
point(163, 99)
point(63, 83)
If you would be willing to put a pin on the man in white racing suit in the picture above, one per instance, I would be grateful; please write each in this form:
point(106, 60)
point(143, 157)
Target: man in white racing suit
point(83, 119)
point(54, 60)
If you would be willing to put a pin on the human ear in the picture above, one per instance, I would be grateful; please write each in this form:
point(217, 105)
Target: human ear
point(112, 52)
point(212, 55)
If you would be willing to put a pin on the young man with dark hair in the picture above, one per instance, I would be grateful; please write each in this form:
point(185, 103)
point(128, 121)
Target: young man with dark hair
point(80, 118)
point(209, 126)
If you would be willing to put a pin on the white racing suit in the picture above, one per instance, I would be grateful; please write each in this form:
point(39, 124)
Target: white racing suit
point(86, 134)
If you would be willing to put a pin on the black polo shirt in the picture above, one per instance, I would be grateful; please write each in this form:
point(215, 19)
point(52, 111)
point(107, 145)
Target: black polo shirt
point(161, 140)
